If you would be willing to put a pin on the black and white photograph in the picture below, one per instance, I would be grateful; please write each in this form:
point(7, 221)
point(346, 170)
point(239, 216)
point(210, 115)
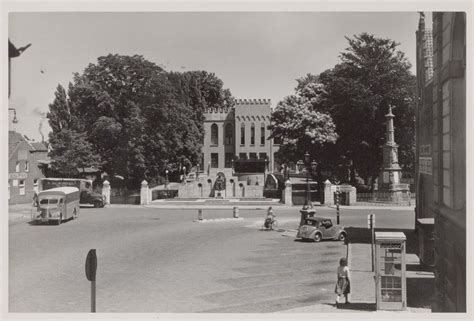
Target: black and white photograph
point(226, 160)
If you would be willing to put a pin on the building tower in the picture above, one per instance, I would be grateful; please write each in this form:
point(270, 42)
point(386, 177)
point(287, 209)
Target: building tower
point(391, 172)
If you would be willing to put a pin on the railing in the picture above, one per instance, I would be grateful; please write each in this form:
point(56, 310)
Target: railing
point(385, 198)
point(124, 196)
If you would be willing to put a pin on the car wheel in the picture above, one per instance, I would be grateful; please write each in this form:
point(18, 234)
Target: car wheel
point(342, 236)
point(96, 204)
point(317, 237)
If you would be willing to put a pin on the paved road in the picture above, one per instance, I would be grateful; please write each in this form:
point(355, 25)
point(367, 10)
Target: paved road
point(160, 260)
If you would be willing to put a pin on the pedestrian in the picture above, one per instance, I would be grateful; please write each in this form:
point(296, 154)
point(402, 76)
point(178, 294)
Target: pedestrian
point(343, 284)
point(35, 199)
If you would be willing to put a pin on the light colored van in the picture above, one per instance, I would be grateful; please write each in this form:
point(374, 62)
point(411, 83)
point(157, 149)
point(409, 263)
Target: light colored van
point(58, 204)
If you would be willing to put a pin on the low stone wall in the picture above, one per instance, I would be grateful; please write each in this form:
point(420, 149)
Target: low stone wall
point(234, 189)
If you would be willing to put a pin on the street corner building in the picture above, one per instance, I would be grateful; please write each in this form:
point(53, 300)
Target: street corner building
point(26, 162)
point(441, 156)
point(237, 135)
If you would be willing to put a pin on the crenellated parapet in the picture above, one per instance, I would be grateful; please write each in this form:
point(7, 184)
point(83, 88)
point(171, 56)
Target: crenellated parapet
point(252, 101)
point(220, 110)
point(256, 118)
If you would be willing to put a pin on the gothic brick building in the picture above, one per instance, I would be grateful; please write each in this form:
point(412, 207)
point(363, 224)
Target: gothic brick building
point(237, 133)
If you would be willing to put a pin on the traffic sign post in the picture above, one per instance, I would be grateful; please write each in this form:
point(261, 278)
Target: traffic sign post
point(91, 269)
point(371, 226)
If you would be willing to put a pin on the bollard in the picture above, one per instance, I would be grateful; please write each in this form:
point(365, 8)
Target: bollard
point(236, 212)
point(200, 214)
point(347, 242)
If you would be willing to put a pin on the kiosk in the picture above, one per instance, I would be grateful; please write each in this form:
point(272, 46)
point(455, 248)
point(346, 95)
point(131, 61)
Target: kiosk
point(390, 271)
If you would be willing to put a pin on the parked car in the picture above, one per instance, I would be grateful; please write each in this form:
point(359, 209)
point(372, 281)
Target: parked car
point(95, 199)
point(319, 228)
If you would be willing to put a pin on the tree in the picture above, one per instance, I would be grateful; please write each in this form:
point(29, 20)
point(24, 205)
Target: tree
point(299, 126)
point(372, 75)
point(71, 151)
point(59, 115)
point(138, 118)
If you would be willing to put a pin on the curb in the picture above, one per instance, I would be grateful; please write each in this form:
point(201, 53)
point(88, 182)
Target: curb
point(219, 220)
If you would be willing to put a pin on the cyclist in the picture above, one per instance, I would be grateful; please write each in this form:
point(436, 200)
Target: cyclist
point(270, 217)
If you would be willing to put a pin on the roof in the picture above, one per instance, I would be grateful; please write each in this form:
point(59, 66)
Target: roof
point(39, 146)
point(64, 190)
point(389, 236)
point(317, 218)
point(14, 140)
point(88, 170)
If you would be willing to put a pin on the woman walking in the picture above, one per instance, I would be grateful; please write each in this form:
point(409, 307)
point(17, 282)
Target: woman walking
point(343, 285)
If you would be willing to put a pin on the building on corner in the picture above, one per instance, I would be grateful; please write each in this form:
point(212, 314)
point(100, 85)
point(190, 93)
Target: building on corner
point(26, 163)
point(441, 156)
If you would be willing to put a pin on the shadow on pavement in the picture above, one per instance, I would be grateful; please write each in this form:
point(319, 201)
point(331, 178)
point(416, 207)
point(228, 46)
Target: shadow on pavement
point(419, 289)
point(363, 235)
point(359, 306)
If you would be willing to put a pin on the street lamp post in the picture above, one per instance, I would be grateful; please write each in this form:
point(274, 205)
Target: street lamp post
point(307, 209)
point(286, 172)
point(15, 120)
point(166, 180)
point(338, 192)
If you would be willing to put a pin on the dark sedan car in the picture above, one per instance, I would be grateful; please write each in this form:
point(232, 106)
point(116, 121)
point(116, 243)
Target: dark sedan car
point(319, 228)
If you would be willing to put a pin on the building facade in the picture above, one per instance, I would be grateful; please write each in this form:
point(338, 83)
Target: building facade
point(25, 160)
point(441, 156)
point(239, 132)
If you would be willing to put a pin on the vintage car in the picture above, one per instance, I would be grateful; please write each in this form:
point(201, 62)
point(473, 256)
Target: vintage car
point(319, 228)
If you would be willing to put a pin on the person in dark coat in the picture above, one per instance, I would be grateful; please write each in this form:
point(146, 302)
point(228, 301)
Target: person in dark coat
point(343, 284)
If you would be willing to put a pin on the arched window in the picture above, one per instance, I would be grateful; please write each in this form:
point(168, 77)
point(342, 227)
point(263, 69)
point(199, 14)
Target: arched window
point(252, 134)
point(262, 134)
point(242, 134)
point(229, 135)
point(214, 135)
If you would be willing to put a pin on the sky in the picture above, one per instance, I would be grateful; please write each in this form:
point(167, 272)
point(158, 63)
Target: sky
point(256, 54)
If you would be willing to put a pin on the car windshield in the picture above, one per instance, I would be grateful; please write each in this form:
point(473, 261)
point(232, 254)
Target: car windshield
point(46, 201)
point(311, 222)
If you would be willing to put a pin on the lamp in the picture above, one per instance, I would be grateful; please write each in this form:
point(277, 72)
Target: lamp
point(307, 210)
point(15, 120)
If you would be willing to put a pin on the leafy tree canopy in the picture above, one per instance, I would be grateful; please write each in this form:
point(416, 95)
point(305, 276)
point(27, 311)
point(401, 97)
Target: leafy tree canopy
point(372, 75)
point(137, 118)
point(299, 126)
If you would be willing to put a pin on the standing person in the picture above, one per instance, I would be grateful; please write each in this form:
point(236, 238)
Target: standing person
point(343, 285)
point(35, 199)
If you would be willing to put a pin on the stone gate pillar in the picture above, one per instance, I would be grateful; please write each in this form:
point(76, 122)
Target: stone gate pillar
point(144, 194)
point(328, 195)
point(287, 193)
point(106, 191)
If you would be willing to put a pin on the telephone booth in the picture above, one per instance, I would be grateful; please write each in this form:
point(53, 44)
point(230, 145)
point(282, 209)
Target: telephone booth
point(390, 271)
